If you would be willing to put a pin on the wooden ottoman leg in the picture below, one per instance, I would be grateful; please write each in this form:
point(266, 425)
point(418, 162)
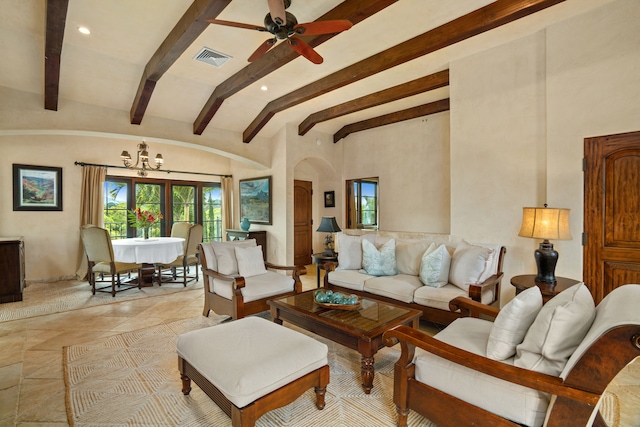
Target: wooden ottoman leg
point(186, 384)
point(245, 417)
point(321, 388)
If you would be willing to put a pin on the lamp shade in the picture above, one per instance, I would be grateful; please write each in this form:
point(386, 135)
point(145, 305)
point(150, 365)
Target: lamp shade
point(329, 225)
point(545, 223)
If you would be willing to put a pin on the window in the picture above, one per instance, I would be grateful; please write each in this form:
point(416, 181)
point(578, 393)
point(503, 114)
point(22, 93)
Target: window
point(177, 201)
point(362, 206)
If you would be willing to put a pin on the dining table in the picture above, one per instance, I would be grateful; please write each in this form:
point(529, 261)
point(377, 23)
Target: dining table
point(148, 252)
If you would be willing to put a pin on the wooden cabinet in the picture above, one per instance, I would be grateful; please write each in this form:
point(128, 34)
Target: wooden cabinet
point(11, 268)
point(260, 236)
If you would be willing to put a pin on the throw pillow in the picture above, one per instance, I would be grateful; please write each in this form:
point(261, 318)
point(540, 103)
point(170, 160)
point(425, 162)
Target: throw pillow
point(434, 268)
point(559, 328)
point(380, 262)
point(226, 255)
point(349, 250)
point(409, 256)
point(468, 263)
point(250, 261)
point(512, 324)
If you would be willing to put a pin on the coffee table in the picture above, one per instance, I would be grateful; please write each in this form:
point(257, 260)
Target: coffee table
point(360, 329)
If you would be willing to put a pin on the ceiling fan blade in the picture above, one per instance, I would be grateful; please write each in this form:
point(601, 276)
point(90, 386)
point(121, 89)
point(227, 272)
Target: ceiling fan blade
point(323, 27)
point(236, 24)
point(277, 12)
point(305, 50)
point(262, 49)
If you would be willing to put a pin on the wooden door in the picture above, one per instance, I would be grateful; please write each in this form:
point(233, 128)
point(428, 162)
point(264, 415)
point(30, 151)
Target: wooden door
point(611, 212)
point(302, 222)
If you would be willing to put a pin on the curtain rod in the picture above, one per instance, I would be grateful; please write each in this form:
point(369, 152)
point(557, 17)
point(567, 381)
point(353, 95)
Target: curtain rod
point(160, 170)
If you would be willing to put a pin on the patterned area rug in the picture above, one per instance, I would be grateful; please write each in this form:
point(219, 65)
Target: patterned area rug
point(132, 379)
point(39, 299)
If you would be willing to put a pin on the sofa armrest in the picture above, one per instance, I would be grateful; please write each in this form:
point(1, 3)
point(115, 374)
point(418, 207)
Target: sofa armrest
point(493, 282)
point(470, 308)
point(410, 338)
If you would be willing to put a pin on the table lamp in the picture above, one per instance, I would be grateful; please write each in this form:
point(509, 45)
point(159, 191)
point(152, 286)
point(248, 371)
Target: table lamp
point(330, 226)
point(545, 223)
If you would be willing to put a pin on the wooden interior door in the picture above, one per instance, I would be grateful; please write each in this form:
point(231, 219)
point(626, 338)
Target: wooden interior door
point(611, 212)
point(302, 222)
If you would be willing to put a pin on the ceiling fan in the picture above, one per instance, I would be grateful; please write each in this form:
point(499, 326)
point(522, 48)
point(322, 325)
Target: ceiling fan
point(283, 25)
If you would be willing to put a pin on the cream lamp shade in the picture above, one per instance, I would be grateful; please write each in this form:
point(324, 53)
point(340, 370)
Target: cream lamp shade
point(547, 224)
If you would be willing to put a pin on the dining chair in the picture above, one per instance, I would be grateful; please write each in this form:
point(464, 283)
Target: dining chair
point(192, 235)
point(99, 252)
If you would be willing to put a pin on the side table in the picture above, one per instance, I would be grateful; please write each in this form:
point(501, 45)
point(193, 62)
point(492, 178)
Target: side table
point(320, 259)
point(527, 281)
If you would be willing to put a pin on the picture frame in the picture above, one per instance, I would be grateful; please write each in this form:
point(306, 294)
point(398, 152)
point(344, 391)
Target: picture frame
point(255, 200)
point(37, 188)
point(329, 199)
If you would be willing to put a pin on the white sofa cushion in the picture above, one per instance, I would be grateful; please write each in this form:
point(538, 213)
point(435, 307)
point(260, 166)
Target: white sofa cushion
point(350, 279)
point(514, 402)
point(257, 357)
point(559, 328)
point(437, 297)
point(350, 250)
point(256, 287)
point(226, 261)
point(435, 265)
point(468, 264)
point(400, 287)
point(512, 324)
point(250, 261)
point(409, 255)
point(379, 262)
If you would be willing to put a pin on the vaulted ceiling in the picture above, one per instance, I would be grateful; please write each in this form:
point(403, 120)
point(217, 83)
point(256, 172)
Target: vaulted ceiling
point(392, 65)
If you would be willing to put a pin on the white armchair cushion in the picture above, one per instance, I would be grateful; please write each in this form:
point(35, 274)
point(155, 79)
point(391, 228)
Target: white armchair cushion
point(256, 287)
point(468, 264)
point(379, 262)
point(514, 402)
point(226, 255)
point(250, 261)
point(559, 328)
point(435, 265)
point(512, 324)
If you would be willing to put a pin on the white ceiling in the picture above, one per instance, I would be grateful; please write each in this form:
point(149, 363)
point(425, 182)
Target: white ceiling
point(105, 67)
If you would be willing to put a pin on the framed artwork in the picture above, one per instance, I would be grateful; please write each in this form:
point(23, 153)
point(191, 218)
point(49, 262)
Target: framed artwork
point(37, 188)
point(255, 200)
point(329, 199)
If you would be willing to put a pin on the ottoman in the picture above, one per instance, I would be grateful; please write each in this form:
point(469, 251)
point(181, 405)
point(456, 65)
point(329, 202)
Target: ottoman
point(251, 366)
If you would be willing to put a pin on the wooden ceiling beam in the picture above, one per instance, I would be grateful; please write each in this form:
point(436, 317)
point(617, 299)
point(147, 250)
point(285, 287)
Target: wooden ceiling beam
point(352, 10)
point(404, 90)
point(486, 18)
point(185, 32)
point(56, 21)
point(398, 116)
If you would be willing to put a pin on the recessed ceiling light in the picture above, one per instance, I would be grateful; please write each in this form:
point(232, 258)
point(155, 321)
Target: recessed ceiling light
point(84, 30)
point(264, 88)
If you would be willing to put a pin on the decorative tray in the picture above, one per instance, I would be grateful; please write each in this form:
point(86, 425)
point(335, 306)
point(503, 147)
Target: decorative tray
point(327, 297)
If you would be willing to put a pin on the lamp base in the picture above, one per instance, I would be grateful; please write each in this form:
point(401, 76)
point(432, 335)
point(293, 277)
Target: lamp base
point(546, 260)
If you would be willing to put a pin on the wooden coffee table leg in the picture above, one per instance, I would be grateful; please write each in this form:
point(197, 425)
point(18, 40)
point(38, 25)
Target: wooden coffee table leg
point(367, 372)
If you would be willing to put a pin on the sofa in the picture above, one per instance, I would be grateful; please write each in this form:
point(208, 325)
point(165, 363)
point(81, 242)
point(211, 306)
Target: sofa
point(424, 271)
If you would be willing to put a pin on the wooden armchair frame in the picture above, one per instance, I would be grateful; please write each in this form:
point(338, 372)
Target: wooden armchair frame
point(576, 396)
point(236, 307)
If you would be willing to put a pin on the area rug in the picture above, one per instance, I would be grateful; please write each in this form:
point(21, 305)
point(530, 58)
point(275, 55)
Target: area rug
point(42, 298)
point(132, 379)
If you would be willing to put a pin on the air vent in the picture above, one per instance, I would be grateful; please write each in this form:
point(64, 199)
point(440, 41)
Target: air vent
point(212, 57)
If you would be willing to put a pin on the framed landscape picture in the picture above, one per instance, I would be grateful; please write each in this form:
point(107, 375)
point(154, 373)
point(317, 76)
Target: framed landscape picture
point(37, 188)
point(255, 200)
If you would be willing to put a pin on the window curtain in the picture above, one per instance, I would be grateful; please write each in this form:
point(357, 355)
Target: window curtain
point(227, 205)
point(91, 207)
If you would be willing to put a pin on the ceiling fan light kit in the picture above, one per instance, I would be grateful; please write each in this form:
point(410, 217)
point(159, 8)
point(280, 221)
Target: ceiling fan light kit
point(284, 25)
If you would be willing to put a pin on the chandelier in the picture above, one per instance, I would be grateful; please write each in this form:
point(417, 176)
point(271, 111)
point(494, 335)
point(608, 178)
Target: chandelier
point(142, 160)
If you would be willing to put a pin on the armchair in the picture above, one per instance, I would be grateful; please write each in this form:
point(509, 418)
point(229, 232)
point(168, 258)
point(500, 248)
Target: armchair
point(450, 380)
point(237, 280)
